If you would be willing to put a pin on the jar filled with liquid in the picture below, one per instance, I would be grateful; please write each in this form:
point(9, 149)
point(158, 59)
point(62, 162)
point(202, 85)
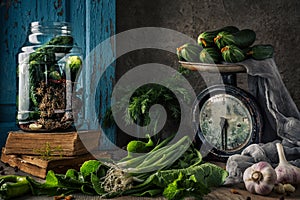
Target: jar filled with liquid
point(48, 65)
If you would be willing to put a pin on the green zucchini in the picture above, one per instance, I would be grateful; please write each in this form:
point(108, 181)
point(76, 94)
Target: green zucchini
point(232, 54)
point(189, 52)
point(206, 39)
point(210, 55)
point(241, 39)
point(261, 51)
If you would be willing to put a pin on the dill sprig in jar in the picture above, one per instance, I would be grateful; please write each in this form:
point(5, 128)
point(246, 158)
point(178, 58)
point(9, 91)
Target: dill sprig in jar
point(48, 65)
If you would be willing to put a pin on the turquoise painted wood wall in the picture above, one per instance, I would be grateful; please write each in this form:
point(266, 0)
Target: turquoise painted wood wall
point(92, 22)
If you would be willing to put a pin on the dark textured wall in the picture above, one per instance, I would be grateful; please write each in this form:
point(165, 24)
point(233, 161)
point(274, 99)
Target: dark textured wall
point(275, 22)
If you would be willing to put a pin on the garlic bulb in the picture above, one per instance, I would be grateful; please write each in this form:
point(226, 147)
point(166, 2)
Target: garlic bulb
point(260, 178)
point(286, 173)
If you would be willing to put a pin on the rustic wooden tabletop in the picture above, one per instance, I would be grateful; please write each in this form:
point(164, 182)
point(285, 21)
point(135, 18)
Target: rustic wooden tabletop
point(236, 192)
point(222, 193)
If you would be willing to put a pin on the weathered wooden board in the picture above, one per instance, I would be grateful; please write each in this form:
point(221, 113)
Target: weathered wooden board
point(36, 166)
point(37, 153)
point(237, 193)
point(57, 144)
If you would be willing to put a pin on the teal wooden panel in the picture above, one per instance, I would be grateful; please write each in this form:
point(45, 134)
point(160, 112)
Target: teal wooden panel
point(97, 26)
point(15, 18)
point(100, 25)
point(92, 22)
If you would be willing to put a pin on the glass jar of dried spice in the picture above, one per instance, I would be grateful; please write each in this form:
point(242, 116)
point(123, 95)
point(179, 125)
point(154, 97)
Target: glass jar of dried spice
point(48, 65)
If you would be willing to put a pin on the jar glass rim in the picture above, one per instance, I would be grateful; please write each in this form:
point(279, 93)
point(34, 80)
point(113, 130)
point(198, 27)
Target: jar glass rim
point(45, 24)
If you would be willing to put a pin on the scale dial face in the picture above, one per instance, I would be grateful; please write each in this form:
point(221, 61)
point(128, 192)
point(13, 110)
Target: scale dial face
point(228, 119)
point(225, 122)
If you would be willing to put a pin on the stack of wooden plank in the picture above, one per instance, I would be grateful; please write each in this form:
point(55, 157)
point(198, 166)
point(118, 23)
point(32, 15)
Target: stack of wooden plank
point(37, 153)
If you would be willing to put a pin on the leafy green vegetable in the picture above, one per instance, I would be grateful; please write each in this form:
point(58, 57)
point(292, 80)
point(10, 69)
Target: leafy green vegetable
point(193, 181)
point(72, 173)
point(136, 146)
point(89, 167)
point(186, 177)
point(174, 190)
point(55, 184)
point(71, 182)
point(97, 185)
point(175, 178)
point(191, 157)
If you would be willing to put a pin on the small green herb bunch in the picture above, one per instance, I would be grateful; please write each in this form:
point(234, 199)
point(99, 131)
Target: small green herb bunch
point(146, 96)
point(47, 151)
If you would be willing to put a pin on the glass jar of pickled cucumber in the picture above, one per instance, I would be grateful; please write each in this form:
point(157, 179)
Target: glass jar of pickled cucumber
point(48, 65)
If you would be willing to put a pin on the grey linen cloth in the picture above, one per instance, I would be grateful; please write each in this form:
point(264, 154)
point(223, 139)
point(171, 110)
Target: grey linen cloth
point(281, 120)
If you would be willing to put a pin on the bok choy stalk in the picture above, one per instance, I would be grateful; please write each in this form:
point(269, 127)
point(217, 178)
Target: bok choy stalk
point(176, 184)
point(174, 171)
point(156, 159)
point(122, 175)
point(180, 177)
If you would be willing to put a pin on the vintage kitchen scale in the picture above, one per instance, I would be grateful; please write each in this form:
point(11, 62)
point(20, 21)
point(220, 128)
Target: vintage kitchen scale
point(227, 118)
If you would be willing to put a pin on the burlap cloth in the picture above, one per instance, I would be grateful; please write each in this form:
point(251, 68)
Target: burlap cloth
point(281, 120)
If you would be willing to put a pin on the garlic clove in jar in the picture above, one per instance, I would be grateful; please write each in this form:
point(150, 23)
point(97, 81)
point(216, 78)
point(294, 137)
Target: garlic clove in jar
point(35, 126)
point(260, 178)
